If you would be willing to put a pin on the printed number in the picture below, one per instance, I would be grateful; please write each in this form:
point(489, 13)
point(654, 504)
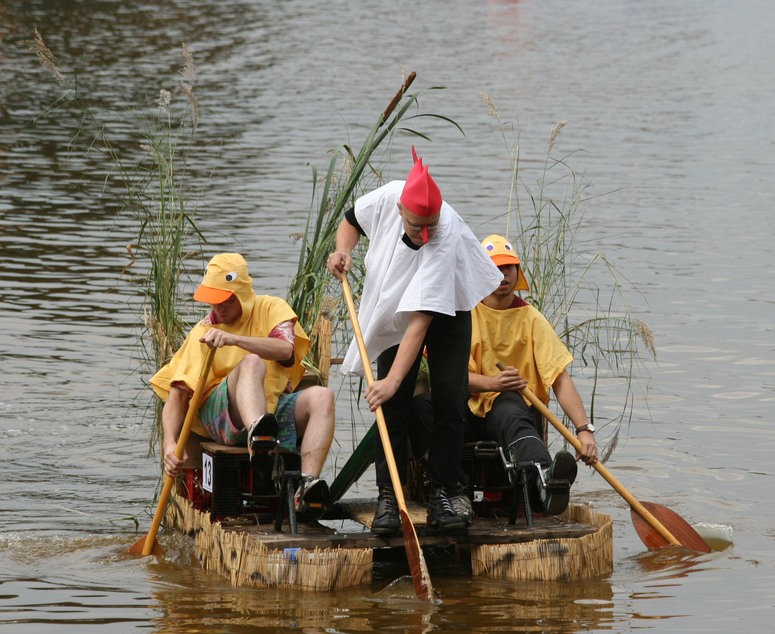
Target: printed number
point(207, 472)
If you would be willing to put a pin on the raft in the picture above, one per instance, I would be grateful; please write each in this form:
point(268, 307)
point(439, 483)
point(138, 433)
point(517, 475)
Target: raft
point(255, 545)
point(241, 519)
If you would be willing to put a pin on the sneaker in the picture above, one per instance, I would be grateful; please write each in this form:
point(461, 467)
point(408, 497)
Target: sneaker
point(440, 512)
point(555, 483)
point(386, 520)
point(262, 434)
point(462, 506)
point(312, 497)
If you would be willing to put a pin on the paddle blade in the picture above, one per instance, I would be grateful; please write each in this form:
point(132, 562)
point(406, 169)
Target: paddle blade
point(138, 548)
point(674, 523)
point(420, 577)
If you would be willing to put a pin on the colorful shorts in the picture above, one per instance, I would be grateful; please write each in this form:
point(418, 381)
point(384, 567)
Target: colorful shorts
point(214, 417)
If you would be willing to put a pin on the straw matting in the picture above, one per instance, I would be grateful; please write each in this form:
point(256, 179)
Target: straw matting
point(566, 559)
point(363, 512)
point(241, 556)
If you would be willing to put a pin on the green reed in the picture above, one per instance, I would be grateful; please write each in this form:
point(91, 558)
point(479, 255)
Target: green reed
point(152, 169)
point(314, 292)
point(579, 290)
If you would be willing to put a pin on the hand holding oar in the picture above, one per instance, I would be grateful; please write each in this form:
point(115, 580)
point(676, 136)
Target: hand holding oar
point(148, 544)
point(417, 566)
point(651, 530)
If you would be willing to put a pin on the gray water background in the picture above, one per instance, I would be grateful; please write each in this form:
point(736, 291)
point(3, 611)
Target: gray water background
point(669, 115)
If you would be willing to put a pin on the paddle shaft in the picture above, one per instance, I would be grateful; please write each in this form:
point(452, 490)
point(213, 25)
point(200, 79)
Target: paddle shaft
point(421, 579)
point(193, 406)
point(599, 467)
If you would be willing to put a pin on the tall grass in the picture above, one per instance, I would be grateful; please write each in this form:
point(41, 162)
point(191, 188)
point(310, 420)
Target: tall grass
point(313, 292)
point(159, 201)
point(579, 290)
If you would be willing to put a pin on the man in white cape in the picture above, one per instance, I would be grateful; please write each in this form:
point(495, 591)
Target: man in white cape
point(425, 272)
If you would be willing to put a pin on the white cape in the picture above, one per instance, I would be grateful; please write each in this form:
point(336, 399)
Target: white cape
point(450, 273)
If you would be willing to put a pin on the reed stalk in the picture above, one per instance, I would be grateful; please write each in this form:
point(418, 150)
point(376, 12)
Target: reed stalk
point(580, 291)
point(152, 169)
point(313, 291)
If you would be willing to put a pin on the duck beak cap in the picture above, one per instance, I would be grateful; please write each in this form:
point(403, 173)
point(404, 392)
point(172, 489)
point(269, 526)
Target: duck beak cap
point(421, 195)
point(501, 252)
point(226, 274)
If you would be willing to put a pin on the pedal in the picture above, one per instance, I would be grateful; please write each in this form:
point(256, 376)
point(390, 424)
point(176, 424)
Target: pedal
point(263, 444)
point(315, 500)
point(486, 449)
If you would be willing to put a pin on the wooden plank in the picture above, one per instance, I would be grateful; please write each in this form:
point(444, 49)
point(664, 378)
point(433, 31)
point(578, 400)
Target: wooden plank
point(483, 531)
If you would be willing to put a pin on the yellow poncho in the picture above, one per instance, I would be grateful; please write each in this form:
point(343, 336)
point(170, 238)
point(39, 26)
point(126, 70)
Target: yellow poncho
point(519, 337)
point(260, 314)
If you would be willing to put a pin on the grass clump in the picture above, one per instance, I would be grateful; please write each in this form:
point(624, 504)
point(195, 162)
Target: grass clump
point(152, 169)
point(314, 292)
point(579, 291)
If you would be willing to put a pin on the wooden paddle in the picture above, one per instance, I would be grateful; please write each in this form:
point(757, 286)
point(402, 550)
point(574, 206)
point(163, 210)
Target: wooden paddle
point(420, 577)
point(148, 544)
point(653, 532)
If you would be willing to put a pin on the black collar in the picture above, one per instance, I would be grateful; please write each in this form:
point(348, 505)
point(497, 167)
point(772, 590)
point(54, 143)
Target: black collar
point(407, 241)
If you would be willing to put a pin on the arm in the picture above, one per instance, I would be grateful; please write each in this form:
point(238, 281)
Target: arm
point(383, 390)
point(172, 417)
point(269, 348)
point(569, 399)
point(340, 260)
point(508, 380)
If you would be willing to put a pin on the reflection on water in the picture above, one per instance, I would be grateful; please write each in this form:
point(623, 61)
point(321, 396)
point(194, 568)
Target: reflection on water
point(671, 106)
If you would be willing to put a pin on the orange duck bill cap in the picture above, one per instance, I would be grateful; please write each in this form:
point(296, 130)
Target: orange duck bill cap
point(227, 275)
point(501, 252)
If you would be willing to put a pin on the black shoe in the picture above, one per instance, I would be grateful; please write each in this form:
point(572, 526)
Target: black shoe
point(262, 434)
point(462, 506)
point(440, 512)
point(312, 498)
point(386, 520)
point(555, 494)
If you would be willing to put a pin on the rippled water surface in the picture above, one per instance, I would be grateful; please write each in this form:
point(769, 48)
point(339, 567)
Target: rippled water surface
point(668, 109)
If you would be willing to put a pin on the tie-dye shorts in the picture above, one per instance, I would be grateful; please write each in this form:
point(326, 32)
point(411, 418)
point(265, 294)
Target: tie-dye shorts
point(214, 417)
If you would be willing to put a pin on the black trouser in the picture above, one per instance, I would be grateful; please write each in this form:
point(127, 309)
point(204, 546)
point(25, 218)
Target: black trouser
point(448, 342)
point(510, 422)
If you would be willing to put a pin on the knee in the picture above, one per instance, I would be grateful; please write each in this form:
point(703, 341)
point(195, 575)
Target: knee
point(253, 365)
point(320, 399)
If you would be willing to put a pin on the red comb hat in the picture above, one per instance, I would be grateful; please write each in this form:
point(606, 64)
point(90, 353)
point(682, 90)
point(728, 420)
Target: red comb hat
point(421, 194)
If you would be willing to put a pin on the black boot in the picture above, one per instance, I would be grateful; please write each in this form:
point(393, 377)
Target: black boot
point(461, 504)
point(386, 520)
point(555, 483)
point(440, 512)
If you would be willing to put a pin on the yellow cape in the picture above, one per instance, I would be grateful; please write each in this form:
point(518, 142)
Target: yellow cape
point(266, 313)
point(519, 337)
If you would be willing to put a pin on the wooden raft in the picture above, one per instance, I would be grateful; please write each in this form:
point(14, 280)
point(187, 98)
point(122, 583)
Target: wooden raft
point(576, 545)
point(251, 555)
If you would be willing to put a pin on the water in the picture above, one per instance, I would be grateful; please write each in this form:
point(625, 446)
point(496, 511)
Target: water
point(668, 109)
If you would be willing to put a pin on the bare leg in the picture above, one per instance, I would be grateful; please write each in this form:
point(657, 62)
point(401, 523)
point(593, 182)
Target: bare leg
point(315, 426)
point(247, 401)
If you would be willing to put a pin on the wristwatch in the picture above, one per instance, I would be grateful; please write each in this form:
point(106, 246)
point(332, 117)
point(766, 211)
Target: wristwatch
point(588, 427)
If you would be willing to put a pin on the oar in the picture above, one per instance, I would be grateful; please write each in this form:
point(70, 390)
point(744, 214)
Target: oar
point(148, 544)
point(417, 566)
point(653, 532)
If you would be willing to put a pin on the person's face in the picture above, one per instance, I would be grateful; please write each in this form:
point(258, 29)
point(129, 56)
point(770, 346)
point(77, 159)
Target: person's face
point(420, 229)
point(509, 281)
point(229, 311)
